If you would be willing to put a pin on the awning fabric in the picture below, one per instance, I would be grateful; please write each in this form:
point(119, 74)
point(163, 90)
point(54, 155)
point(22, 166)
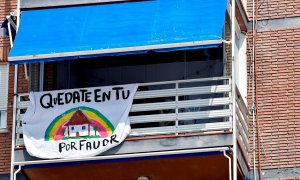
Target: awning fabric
point(117, 28)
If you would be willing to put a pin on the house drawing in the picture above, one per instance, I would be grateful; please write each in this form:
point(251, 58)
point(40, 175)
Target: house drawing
point(78, 125)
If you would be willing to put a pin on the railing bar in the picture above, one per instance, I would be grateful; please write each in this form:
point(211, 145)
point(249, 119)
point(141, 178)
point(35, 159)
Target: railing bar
point(23, 104)
point(20, 142)
point(245, 151)
point(23, 94)
point(204, 102)
point(204, 90)
point(205, 127)
point(181, 104)
point(153, 106)
point(204, 114)
point(153, 131)
point(152, 118)
point(242, 105)
point(19, 130)
point(244, 110)
point(182, 91)
point(240, 98)
point(242, 139)
point(154, 93)
point(185, 81)
point(244, 126)
point(241, 132)
point(241, 118)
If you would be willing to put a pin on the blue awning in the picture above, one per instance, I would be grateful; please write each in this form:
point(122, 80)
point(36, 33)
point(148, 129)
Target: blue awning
point(117, 28)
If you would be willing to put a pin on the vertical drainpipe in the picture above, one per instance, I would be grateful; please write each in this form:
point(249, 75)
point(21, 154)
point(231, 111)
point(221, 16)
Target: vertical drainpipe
point(256, 97)
point(233, 90)
point(253, 93)
point(17, 171)
point(229, 164)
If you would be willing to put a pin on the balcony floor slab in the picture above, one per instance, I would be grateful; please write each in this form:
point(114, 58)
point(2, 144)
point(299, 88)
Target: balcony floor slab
point(153, 145)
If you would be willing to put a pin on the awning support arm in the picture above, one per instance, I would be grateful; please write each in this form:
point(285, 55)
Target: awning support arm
point(9, 31)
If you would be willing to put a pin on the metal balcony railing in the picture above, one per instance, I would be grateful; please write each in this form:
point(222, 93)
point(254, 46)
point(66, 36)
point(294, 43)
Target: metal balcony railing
point(173, 107)
point(242, 125)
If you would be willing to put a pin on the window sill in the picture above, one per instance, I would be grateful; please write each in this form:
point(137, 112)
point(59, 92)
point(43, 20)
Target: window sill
point(3, 130)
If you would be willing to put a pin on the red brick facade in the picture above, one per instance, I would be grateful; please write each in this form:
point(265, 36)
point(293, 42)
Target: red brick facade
point(4, 48)
point(278, 96)
point(7, 6)
point(271, 9)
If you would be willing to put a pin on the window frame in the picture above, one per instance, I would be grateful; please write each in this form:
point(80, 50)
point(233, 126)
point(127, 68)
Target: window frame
point(3, 107)
point(3, 119)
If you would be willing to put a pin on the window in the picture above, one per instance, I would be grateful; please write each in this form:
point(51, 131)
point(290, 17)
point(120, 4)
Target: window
point(3, 94)
point(83, 127)
point(139, 68)
point(72, 128)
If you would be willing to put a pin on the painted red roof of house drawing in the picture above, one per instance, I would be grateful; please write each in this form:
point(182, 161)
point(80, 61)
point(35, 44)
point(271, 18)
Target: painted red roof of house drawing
point(78, 118)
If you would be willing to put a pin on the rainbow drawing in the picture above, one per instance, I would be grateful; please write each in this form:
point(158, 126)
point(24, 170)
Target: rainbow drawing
point(91, 122)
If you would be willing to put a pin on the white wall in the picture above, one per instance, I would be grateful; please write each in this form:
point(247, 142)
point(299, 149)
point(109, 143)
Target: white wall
point(241, 65)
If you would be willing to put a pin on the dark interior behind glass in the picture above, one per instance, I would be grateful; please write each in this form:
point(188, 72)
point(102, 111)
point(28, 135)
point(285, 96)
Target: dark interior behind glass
point(139, 68)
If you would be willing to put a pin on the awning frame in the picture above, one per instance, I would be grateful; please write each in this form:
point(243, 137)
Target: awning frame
point(125, 50)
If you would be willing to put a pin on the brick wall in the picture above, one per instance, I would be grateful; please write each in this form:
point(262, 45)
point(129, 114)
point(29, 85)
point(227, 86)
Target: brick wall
point(228, 55)
point(7, 6)
point(4, 48)
point(270, 9)
point(278, 74)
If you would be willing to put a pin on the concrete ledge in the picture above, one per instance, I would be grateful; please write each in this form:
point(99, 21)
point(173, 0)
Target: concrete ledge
point(280, 173)
point(154, 145)
point(4, 130)
point(273, 24)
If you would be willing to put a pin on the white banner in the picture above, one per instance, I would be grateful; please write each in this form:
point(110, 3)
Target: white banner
point(77, 122)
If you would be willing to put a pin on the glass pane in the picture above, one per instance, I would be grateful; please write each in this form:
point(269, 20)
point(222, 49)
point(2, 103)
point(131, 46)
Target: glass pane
point(140, 68)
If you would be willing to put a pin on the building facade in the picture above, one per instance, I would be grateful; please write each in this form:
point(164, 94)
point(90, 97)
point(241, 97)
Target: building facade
point(266, 60)
point(276, 72)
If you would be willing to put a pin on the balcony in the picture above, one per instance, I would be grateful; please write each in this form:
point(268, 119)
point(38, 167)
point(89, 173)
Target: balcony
point(185, 116)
